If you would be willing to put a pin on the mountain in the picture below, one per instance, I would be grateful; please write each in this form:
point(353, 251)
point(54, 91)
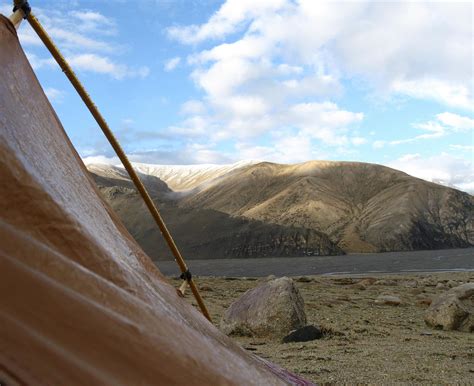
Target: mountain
point(362, 207)
point(350, 206)
point(200, 233)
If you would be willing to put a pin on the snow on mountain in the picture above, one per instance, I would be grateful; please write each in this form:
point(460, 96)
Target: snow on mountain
point(185, 177)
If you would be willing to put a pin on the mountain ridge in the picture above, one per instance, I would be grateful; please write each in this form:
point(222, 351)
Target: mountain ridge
point(200, 233)
point(361, 207)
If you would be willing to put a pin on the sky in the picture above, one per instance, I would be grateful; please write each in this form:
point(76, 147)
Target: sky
point(199, 82)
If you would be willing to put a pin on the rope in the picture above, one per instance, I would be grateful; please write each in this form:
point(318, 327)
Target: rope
point(118, 150)
point(24, 6)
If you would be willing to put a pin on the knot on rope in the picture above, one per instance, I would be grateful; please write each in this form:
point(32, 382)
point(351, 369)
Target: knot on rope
point(24, 6)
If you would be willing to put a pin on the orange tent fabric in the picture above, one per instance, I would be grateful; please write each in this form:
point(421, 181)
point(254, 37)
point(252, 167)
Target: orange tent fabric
point(80, 303)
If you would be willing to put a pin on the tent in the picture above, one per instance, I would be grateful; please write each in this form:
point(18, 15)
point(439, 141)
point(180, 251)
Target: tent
point(81, 303)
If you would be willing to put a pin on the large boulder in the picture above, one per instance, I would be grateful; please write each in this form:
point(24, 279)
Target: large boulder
point(453, 310)
point(274, 308)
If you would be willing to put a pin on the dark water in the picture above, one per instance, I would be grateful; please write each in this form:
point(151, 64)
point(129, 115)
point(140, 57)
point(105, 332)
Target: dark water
point(353, 264)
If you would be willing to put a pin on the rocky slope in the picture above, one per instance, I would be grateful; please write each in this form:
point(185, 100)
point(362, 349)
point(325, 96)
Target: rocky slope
point(288, 209)
point(201, 233)
point(361, 207)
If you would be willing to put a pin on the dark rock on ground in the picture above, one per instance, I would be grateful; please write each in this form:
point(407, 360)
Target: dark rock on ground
point(303, 334)
point(344, 281)
point(453, 310)
point(274, 308)
point(304, 279)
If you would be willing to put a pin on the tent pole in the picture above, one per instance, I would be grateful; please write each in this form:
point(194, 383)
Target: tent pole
point(36, 25)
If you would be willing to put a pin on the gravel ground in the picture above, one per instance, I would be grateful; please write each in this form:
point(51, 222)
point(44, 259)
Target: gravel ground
point(366, 342)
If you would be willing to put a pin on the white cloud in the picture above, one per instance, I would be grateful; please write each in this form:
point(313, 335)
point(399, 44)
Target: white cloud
point(28, 36)
point(54, 94)
point(101, 159)
point(85, 37)
point(325, 114)
point(194, 126)
point(225, 21)
point(188, 155)
point(193, 107)
point(443, 169)
point(444, 124)
point(397, 47)
point(91, 21)
point(74, 40)
point(270, 70)
point(462, 147)
point(378, 144)
point(357, 141)
point(246, 117)
point(449, 94)
point(172, 63)
point(76, 30)
point(286, 149)
point(324, 121)
point(37, 62)
point(457, 122)
point(103, 65)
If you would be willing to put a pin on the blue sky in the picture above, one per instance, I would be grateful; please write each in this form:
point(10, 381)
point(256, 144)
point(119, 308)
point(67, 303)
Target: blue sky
point(189, 82)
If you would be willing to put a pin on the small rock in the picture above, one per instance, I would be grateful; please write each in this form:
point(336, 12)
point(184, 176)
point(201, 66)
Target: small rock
point(440, 286)
point(270, 277)
point(426, 333)
point(304, 279)
point(303, 334)
point(389, 300)
point(344, 281)
point(416, 291)
point(206, 288)
point(274, 308)
point(452, 284)
point(386, 282)
point(359, 286)
point(424, 301)
point(453, 310)
point(367, 281)
point(410, 283)
point(428, 282)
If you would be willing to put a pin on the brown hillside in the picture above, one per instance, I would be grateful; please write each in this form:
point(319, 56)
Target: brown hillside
point(201, 233)
point(362, 207)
